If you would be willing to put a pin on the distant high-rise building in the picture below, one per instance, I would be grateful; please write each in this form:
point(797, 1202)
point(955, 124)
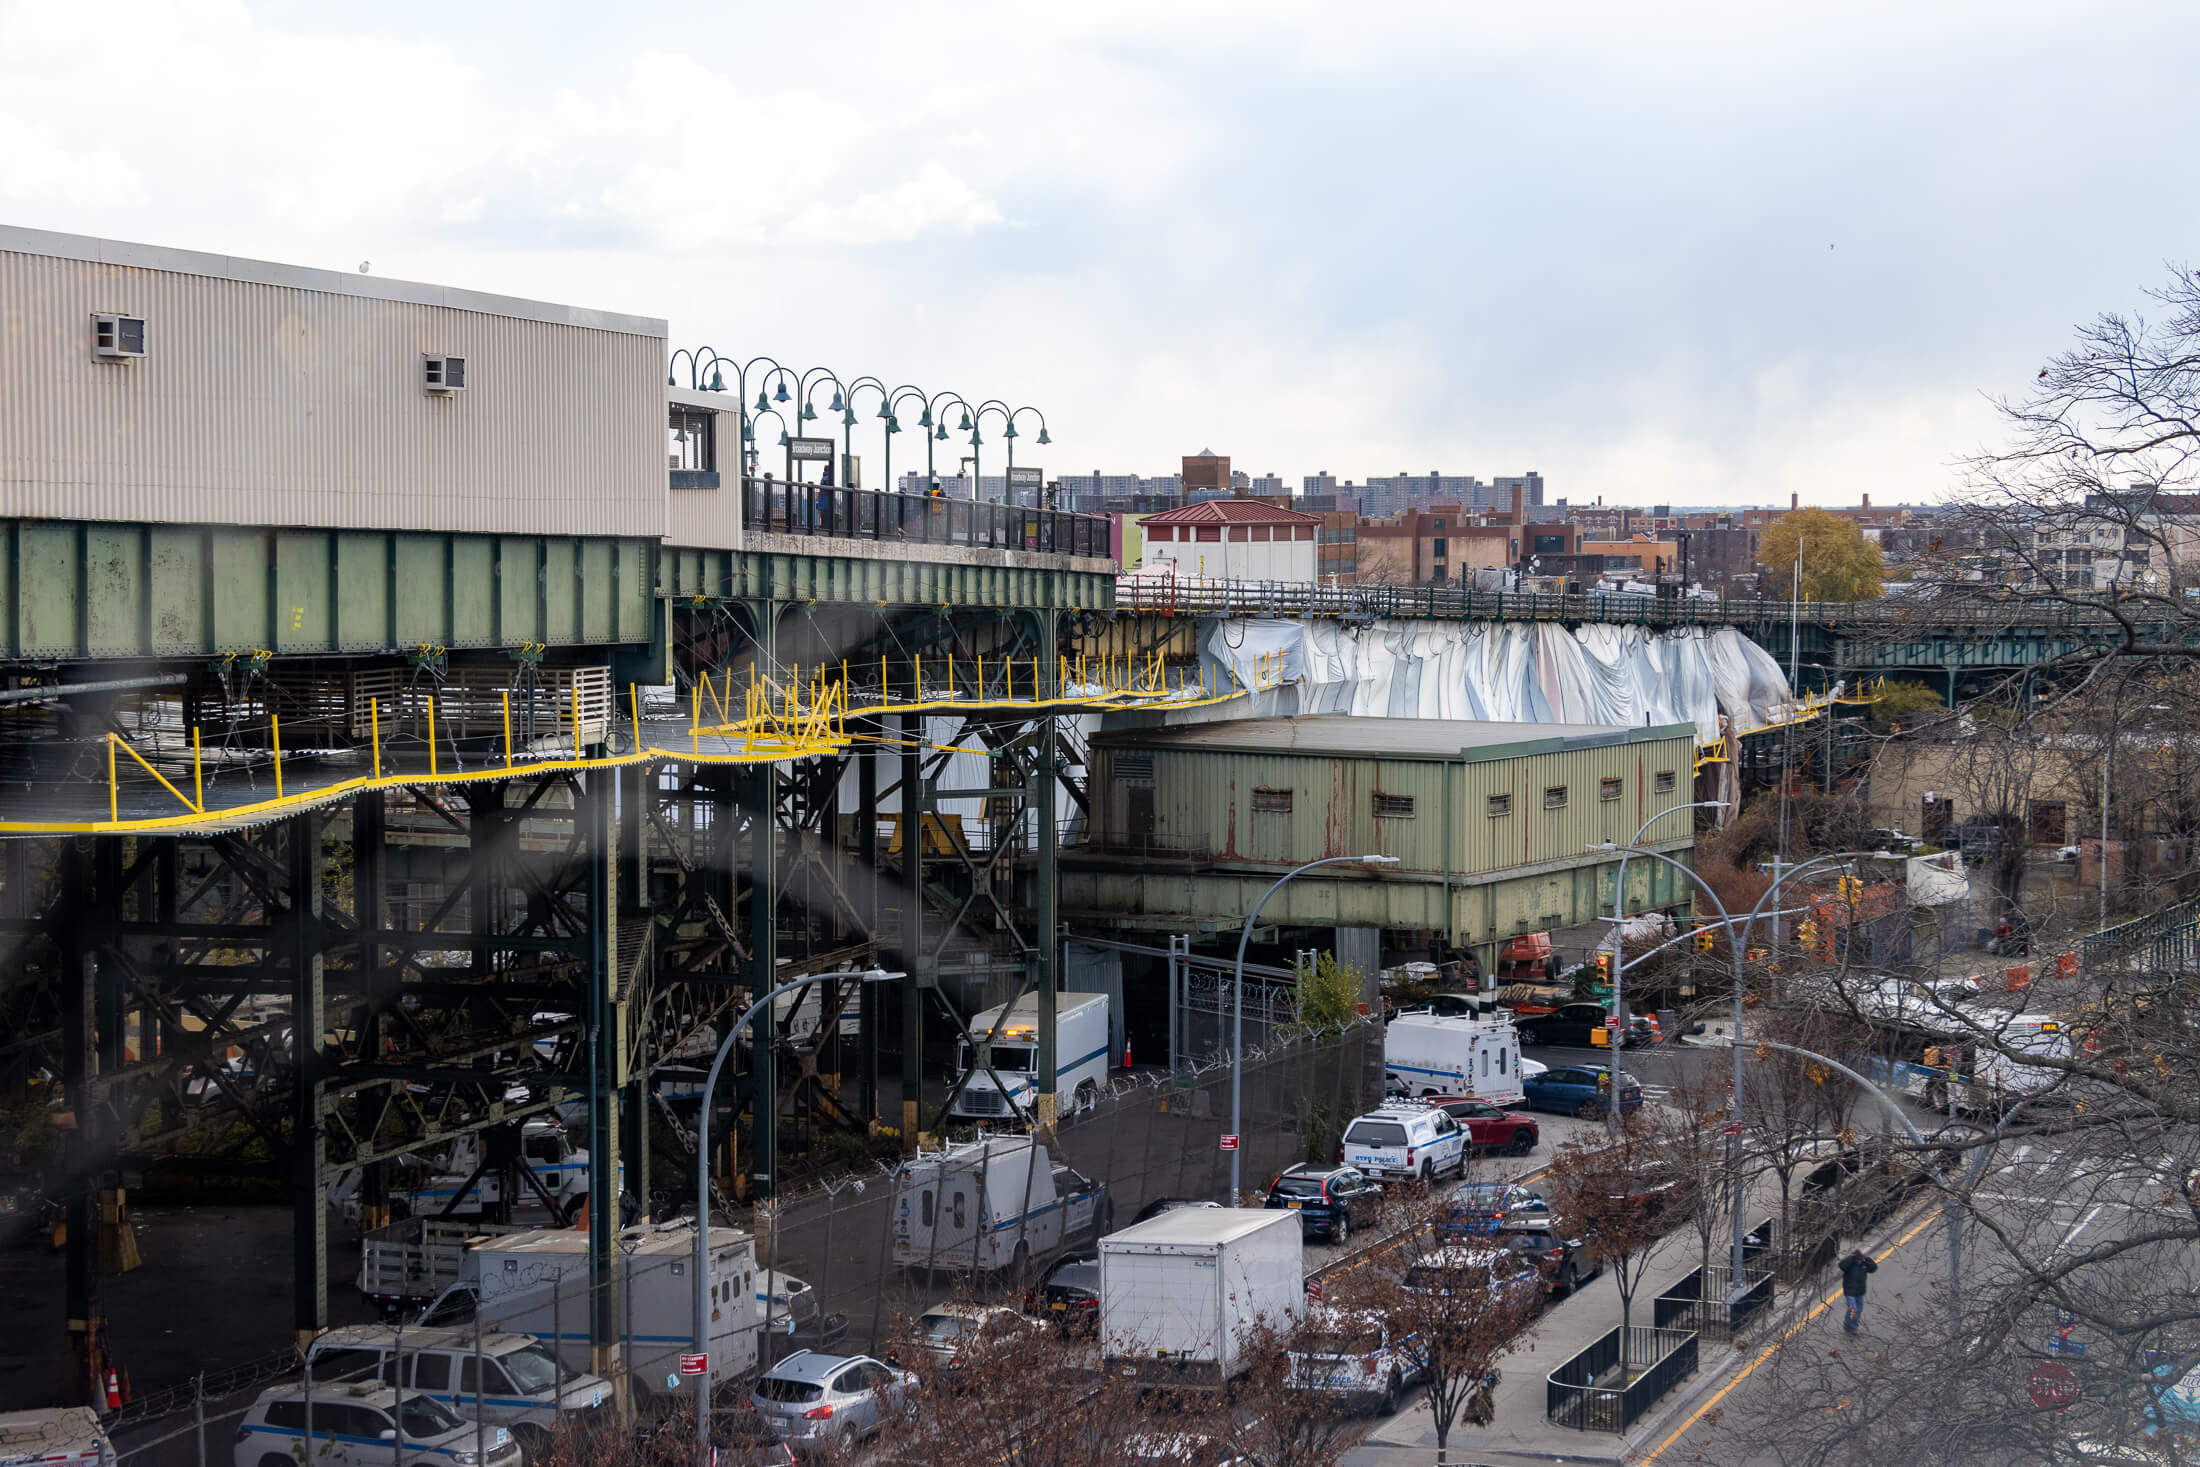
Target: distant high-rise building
point(1529, 484)
point(1206, 469)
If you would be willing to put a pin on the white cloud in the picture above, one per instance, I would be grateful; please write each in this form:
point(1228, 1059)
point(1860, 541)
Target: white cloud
point(1587, 238)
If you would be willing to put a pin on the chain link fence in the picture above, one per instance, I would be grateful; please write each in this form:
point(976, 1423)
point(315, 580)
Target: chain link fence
point(1147, 1137)
point(834, 1284)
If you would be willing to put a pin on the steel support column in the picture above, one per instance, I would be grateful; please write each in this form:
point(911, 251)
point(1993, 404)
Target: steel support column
point(632, 875)
point(308, 1153)
point(758, 799)
point(867, 892)
point(915, 960)
point(79, 1384)
point(606, 1048)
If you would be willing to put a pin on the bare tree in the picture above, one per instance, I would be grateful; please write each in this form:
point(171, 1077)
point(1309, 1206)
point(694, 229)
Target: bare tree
point(1692, 1136)
point(1623, 1191)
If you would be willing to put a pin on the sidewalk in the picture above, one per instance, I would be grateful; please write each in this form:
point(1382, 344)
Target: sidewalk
point(1521, 1433)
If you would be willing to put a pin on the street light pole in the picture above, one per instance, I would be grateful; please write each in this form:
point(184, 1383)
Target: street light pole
point(701, 1262)
point(1237, 1006)
point(1619, 953)
point(1737, 947)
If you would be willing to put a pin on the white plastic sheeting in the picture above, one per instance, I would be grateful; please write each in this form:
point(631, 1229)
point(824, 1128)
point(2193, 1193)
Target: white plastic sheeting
point(1524, 672)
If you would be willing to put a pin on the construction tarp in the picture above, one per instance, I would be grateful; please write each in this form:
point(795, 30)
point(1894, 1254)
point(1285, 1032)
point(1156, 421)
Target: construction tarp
point(1524, 672)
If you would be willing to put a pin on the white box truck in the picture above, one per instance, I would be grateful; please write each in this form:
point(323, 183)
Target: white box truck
point(1467, 1056)
point(537, 1284)
point(1082, 1054)
point(1181, 1294)
point(1000, 1203)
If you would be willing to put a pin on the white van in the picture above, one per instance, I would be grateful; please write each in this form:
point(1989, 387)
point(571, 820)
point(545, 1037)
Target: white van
point(365, 1426)
point(1474, 1057)
point(509, 1380)
point(1408, 1139)
point(1082, 1050)
point(984, 1206)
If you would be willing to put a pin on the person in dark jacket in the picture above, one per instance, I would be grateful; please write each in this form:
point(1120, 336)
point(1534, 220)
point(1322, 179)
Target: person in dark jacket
point(1855, 1269)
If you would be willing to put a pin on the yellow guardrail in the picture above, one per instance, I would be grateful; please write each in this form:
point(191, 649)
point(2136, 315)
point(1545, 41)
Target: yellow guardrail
point(778, 720)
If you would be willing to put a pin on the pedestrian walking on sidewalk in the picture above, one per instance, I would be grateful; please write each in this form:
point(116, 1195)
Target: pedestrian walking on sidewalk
point(1855, 1270)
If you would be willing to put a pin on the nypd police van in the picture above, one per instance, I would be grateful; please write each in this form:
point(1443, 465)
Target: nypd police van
point(1406, 1139)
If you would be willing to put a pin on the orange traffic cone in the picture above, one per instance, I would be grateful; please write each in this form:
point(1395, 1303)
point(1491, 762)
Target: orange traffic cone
point(113, 1384)
point(1126, 1052)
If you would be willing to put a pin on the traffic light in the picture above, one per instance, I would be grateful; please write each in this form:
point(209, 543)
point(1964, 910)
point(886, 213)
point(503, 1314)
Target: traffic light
point(1604, 967)
point(1703, 939)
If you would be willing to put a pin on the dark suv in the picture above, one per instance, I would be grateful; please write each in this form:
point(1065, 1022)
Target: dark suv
point(1330, 1201)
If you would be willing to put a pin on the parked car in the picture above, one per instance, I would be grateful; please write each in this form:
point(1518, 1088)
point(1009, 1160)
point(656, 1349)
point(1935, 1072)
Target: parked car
point(1168, 1204)
point(1177, 1449)
point(817, 1402)
point(1570, 1026)
point(1579, 1090)
point(1490, 1127)
point(1405, 1139)
point(1330, 1201)
point(1887, 838)
point(1485, 1207)
point(1458, 1270)
point(357, 1425)
point(1566, 1263)
point(1069, 1294)
point(1354, 1354)
point(741, 1437)
point(947, 1332)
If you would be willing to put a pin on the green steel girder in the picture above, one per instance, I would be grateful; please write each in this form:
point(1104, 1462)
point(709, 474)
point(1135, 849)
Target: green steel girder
point(78, 589)
point(915, 581)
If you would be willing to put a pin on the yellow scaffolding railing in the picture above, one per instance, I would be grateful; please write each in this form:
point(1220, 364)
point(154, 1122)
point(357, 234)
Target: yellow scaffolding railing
point(779, 719)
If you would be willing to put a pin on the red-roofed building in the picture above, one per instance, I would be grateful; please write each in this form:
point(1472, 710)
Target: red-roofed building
point(1234, 540)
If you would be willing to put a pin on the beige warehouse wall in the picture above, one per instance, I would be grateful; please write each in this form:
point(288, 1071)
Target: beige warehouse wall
point(273, 395)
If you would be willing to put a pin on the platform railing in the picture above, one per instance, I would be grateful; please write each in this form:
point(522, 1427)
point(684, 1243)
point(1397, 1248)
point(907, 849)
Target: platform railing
point(776, 507)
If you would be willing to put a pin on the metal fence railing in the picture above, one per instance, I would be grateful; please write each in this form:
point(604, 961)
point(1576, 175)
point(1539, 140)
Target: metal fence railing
point(1594, 1392)
point(2163, 941)
point(1703, 1300)
point(1206, 597)
point(780, 508)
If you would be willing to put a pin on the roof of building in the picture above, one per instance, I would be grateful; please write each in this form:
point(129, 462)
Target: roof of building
point(1232, 512)
point(1377, 738)
point(19, 240)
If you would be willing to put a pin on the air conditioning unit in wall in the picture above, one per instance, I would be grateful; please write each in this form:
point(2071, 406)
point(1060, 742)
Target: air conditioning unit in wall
point(118, 338)
point(444, 374)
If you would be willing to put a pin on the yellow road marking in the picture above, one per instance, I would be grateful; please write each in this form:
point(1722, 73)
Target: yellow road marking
point(1768, 1351)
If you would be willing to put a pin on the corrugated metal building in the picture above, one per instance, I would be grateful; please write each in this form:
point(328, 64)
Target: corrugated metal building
point(273, 395)
point(1493, 824)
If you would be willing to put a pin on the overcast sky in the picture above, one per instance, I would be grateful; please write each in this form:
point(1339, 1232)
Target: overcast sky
point(1717, 255)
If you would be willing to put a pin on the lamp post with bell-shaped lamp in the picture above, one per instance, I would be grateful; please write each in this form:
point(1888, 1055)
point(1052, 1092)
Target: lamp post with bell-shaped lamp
point(1008, 416)
point(934, 421)
point(704, 360)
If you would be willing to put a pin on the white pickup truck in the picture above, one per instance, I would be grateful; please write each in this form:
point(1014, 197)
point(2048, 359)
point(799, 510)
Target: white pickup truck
point(996, 1204)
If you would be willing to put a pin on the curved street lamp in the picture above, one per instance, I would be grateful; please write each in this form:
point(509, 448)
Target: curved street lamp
point(740, 387)
point(701, 1263)
point(1237, 1005)
point(893, 424)
point(1619, 948)
point(1737, 949)
point(935, 421)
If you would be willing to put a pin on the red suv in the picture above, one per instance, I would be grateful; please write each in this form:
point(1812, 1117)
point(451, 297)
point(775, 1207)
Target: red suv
point(1489, 1127)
